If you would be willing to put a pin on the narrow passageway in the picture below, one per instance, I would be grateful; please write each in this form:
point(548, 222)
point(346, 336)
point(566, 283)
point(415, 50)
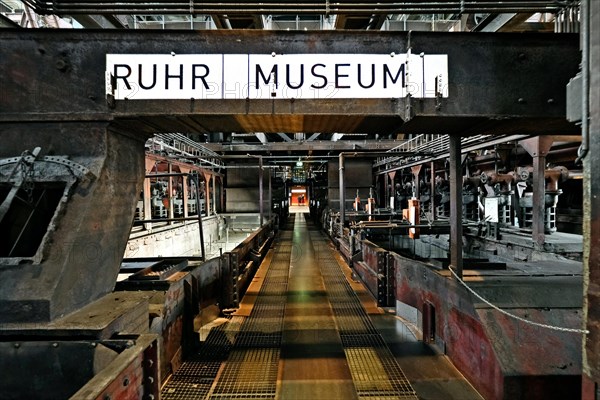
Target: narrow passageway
point(303, 333)
point(313, 362)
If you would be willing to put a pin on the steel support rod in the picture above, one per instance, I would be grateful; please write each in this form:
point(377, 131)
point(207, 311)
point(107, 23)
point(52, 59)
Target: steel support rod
point(342, 193)
point(270, 197)
point(539, 192)
point(432, 193)
point(456, 228)
point(260, 190)
point(199, 213)
point(214, 193)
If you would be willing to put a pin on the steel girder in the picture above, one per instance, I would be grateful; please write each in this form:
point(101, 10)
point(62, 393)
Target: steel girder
point(497, 82)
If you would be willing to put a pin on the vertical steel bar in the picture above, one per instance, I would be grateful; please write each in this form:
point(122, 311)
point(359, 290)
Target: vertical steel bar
point(199, 214)
point(539, 191)
point(270, 196)
point(342, 193)
point(456, 229)
point(214, 193)
point(260, 189)
point(432, 189)
point(171, 209)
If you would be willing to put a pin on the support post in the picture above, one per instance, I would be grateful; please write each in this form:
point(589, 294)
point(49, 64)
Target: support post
point(342, 193)
point(539, 192)
point(147, 193)
point(260, 190)
point(432, 189)
point(184, 195)
point(171, 209)
point(416, 170)
point(538, 147)
point(392, 199)
point(456, 228)
point(214, 193)
point(199, 214)
point(270, 196)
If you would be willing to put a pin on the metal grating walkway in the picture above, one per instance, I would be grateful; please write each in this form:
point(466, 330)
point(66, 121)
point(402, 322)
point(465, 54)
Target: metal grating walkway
point(307, 337)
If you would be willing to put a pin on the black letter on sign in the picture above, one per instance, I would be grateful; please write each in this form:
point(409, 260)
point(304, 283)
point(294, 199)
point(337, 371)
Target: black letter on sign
point(194, 76)
point(167, 76)
point(372, 77)
point(387, 72)
point(338, 76)
point(124, 77)
point(266, 80)
point(153, 77)
point(287, 71)
point(312, 71)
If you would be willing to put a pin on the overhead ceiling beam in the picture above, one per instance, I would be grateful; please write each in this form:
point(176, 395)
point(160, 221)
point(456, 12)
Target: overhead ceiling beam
point(511, 90)
point(315, 145)
point(348, 7)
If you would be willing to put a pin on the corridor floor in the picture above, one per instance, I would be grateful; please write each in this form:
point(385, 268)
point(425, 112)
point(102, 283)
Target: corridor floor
point(306, 331)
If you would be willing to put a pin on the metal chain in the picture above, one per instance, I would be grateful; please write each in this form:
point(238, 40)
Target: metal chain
point(556, 328)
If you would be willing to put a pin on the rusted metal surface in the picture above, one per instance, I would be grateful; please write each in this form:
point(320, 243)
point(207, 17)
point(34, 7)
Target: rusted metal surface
point(456, 229)
point(373, 270)
point(249, 251)
point(83, 244)
point(176, 302)
point(134, 374)
point(80, 369)
point(483, 94)
point(499, 356)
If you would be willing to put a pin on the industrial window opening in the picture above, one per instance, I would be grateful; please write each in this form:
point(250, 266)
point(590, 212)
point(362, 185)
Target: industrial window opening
point(26, 222)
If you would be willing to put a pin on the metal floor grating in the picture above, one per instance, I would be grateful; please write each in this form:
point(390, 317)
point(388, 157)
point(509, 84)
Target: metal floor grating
point(251, 370)
point(374, 370)
point(240, 359)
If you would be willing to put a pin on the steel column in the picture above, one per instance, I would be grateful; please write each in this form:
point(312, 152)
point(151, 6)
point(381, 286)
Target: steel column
point(456, 228)
point(260, 189)
point(392, 175)
point(199, 214)
point(270, 196)
point(432, 197)
point(214, 193)
point(538, 148)
point(539, 192)
point(342, 193)
point(416, 170)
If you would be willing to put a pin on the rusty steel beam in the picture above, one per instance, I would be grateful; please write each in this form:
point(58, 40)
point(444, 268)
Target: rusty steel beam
point(508, 81)
point(456, 228)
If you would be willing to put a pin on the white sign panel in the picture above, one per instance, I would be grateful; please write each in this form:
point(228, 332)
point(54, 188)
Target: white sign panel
point(270, 76)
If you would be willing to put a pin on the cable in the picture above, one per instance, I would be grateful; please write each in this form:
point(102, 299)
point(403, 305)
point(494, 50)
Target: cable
point(555, 328)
